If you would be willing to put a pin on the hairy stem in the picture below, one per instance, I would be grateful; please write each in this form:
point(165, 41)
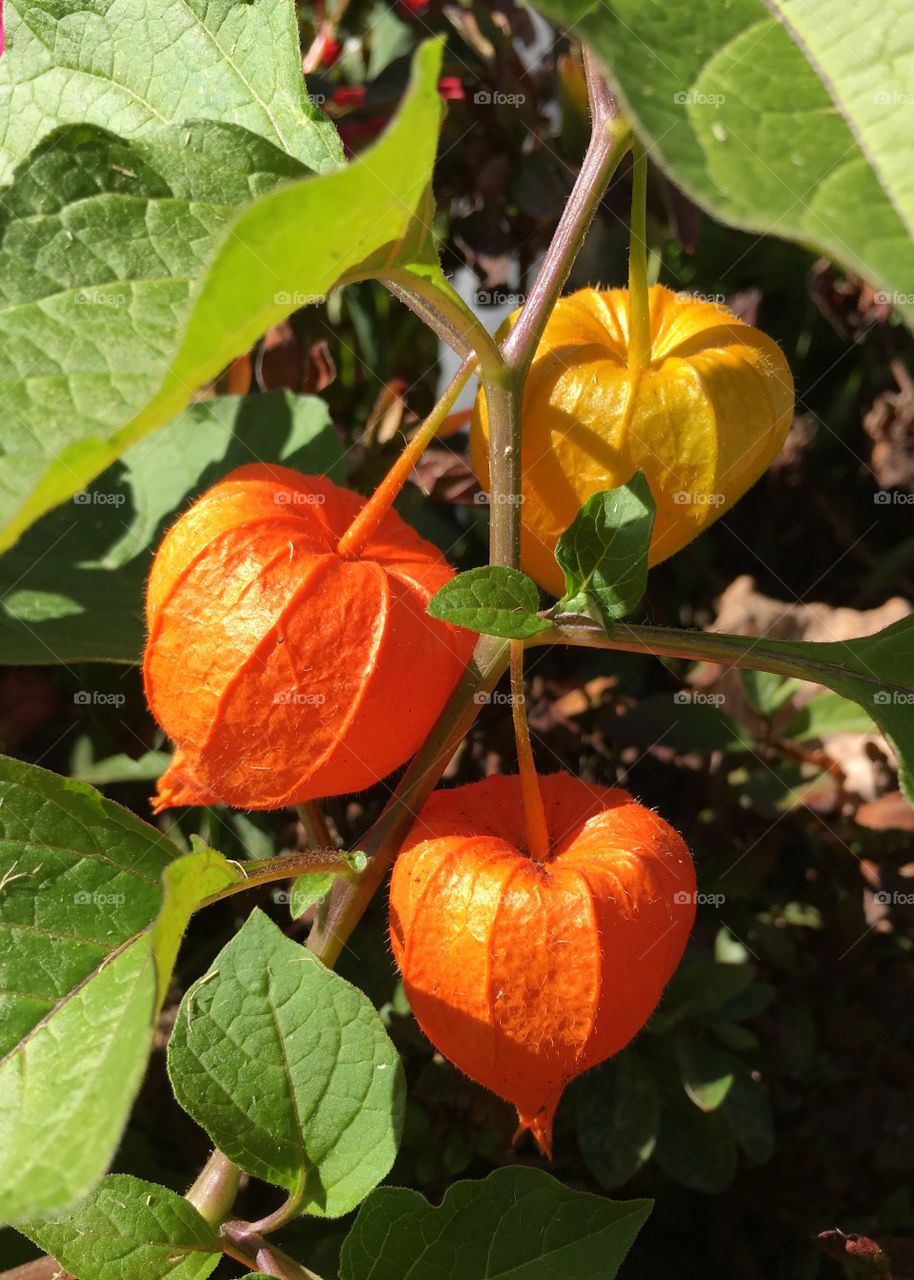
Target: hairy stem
point(213, 1193)
point(269, 870)
point(639, 310)
point(247, 1246)
point(535, 823)
point(453, 322)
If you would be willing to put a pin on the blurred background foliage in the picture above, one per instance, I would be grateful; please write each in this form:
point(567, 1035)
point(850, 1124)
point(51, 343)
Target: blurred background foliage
point(770, 1098)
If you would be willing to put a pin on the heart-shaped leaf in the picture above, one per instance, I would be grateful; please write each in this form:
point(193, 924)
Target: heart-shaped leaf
point(516, 1224)
point(289, 1070)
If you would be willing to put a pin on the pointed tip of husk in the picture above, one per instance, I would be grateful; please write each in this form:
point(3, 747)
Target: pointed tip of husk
point(539, 1126)
point(177, 787)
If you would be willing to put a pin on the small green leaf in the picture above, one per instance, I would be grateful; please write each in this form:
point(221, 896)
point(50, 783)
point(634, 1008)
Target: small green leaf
point(766, 692)
point(828, 713)
point(605, 551)
point(493, 600)
point(289, 1070)
point(128, 1229)
point(92, 909)
point(307, 890)
point(617, 1111)
point(516, 1224)
point(707, 1071)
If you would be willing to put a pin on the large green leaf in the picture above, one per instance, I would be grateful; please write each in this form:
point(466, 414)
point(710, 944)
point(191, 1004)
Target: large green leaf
point(72, 588)
point(146, 291)
point(516, 1224)
point(289, 1070)
point(132, 66)
point(788, 117)
point(128, 1229)
point(92, 909)
point(617, 1112)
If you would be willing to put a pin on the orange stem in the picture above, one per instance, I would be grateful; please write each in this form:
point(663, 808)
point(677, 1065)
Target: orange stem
point(538, 845)
point(370, 518)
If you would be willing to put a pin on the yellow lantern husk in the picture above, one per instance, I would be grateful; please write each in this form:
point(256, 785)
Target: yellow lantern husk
point(703, 420)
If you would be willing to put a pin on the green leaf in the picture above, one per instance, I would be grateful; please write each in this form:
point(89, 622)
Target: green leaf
point(780, 116)
point(307, 890)
point(73, 587)
point(132, 66)
point(176, 286)
point(289, 1070)
point(707, 1071)
point(748, 1113)
point(698, 989)
point(767, 693)
point(128, 1229)
point(617, 1110)
point(827, 713)
point(695, 1148)
point(92, 909)
point(516, 1224)
point(492, 599)
point(688, 720)
point(604, 553)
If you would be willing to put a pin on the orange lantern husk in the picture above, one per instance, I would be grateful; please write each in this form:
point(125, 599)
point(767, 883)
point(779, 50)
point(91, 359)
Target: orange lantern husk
point(523, 973)
point(282, 670)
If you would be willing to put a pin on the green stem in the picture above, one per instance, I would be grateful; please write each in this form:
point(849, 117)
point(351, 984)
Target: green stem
point(448, 315)
point(639, 307)
point(214, 1192)
point(243, 1244)
point(753, 652)
point(269, 870)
